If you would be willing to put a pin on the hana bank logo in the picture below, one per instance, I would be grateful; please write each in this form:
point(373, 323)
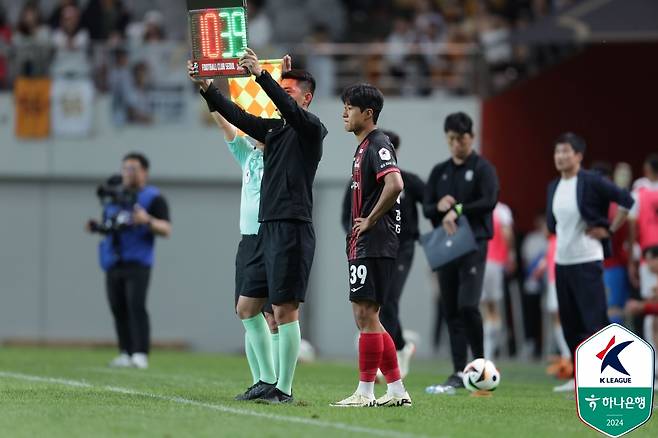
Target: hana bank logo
point(609, 357)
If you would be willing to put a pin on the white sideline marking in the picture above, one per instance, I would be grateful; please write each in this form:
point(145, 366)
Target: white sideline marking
point(221, 408)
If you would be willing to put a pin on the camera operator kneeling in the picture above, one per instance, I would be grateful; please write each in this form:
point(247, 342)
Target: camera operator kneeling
point(133, 214)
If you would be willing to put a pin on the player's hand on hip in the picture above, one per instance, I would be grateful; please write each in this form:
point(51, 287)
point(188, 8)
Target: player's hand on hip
point(361, 225)
point(192, 70)
point(598, 233)
point(446, 203)
point(450, 223)
point(250, 62)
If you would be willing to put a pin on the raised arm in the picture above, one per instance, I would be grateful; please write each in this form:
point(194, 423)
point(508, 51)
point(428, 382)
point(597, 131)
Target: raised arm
point(230, 131)
point(256, 127)
point(306, 124)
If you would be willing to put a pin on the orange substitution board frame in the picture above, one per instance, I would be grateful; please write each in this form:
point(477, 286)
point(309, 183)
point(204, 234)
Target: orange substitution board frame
point(218, 30)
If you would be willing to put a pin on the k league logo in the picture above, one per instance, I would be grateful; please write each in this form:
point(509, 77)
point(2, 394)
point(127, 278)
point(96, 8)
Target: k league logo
point(614, 381)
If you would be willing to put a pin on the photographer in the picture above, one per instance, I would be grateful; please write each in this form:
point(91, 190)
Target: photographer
point(133, 214)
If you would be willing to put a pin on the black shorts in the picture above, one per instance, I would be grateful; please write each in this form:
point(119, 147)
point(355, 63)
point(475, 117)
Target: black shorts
point(370, 279)
point(250, 278)
point(288, 249)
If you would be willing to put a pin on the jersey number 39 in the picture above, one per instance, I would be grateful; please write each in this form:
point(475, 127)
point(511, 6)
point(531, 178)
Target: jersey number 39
point(358, 273)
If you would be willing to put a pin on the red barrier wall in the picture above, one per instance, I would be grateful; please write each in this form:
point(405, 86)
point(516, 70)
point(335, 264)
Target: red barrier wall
point(608, 94)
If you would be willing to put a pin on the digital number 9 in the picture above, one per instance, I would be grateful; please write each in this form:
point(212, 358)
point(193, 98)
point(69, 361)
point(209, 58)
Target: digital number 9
point(239, 27)
point(234, 32)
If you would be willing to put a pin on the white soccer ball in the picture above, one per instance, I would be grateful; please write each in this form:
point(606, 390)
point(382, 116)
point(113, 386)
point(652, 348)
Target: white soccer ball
point(481, 375)
point(306, 352)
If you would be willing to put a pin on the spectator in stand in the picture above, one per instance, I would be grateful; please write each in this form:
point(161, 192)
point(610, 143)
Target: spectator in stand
point(139, 104)
point(427, 17)
point(260, 26)
point(403, 34)
point(31, 42)
point(153, 29)
point(130, 102)
point(106, 20)
point(321, 65)
point(29, 28)
point(56, 15)
point(5, 39)
point(70, 36)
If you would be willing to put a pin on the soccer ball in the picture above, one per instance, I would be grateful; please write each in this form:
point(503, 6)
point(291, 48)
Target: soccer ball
point(306, 352)
point(481, 375)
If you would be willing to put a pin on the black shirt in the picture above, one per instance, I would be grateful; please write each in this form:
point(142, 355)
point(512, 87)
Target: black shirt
point(293, 149)
point(473, 184)
point(373, 159)
point(159, 208)
point(414, 190)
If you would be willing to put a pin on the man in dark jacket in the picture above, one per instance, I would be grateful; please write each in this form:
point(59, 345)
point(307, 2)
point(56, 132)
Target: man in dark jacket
point(466, 184)
point(577, 213)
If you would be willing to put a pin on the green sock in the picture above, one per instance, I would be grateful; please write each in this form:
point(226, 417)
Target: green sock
point(289, 339)
point(260, 339)
point(275, 352)
point(251, 359)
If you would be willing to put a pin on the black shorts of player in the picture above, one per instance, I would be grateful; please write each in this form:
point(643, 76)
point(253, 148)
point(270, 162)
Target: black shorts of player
point(288, 248)
point(250, 280)
point(370, 279)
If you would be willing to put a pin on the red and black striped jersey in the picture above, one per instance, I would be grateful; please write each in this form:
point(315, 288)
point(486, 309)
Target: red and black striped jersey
point(373, 159)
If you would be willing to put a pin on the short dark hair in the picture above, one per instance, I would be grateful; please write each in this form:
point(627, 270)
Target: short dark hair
point(364, 96)
point(304, 78)
point(652, 162)
point(603, 168)
point(577, 143)
point(459, 122)
point(143, 161)
point(395, 139)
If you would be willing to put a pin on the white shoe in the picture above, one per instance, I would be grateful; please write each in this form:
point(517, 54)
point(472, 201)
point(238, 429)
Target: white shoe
point(404, 358)
point(395, 401)
point(121, 361)
point(140, 360)
point(566, 387)
point(356, 400)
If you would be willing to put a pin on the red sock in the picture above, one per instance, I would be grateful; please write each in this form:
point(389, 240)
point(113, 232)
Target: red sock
point(371, 347)
point(389, 363)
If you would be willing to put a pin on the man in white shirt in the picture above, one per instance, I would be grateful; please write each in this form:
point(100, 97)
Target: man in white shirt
point(577, 212)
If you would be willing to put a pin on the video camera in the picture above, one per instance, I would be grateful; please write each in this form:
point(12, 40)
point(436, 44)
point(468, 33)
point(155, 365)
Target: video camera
point(118, 203)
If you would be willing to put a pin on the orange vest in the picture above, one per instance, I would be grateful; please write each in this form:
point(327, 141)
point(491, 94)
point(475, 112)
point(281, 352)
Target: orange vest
point(647, 218)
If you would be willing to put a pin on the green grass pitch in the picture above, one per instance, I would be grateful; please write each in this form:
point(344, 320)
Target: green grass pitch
point(71, 393)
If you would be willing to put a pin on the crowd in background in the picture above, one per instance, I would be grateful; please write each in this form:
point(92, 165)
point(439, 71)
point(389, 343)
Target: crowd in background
point(40, 31)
